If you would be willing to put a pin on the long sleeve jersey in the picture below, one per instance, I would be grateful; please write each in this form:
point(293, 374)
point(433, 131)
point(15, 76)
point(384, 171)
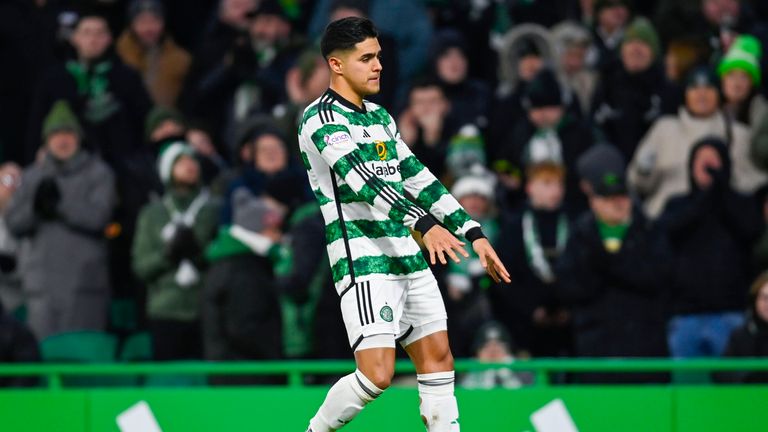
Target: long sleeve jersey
point(360, 169)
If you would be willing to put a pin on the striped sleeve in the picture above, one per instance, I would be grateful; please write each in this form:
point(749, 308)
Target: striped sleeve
point(430, 194)
point(335, 145)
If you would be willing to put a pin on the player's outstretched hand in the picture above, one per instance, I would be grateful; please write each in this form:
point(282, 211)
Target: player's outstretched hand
point(490, 261)
point(439, 242)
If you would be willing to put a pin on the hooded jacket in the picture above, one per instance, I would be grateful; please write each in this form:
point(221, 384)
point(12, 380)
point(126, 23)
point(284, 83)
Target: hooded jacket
point(711, 232)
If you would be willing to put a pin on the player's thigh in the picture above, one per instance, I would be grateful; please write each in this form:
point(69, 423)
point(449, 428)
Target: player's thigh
point(372, 310)
point(431, 353)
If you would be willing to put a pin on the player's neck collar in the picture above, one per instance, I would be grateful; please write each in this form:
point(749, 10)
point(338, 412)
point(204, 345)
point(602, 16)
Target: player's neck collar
point(347, 103)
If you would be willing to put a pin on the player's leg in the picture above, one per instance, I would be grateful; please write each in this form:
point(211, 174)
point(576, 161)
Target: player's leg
point(375, 367)
point(372, 336)
point(425, 338)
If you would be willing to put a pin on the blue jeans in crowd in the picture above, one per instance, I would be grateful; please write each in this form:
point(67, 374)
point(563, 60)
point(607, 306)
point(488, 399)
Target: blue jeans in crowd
point(701, 335)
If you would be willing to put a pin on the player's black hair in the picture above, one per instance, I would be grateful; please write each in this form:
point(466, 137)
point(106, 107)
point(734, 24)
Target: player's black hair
point(345, 33)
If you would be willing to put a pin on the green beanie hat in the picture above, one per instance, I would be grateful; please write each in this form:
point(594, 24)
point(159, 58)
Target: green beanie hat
point(61, 118)
point(744, 55)
point(157, 116)
point(169, 154)
point(640, 29)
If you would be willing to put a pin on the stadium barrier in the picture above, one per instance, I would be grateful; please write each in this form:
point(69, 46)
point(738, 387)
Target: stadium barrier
point(127, 394)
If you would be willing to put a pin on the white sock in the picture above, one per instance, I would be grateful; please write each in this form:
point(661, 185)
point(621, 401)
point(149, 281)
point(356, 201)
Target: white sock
point(439, 409)
point(344, 401)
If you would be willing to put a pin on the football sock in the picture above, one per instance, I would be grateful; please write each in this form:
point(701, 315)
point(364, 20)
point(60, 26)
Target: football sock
point(344, 401)
point(439, 410)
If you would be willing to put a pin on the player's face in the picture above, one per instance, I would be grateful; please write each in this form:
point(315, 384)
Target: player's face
point(362, 67)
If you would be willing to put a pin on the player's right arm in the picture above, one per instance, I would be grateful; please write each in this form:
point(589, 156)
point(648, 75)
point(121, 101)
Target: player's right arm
point(334, 143)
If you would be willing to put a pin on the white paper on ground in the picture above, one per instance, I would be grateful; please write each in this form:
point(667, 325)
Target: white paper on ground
point(553, 417)
point(138, 418)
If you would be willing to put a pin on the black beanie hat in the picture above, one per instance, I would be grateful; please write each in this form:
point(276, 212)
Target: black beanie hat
point(543, 91)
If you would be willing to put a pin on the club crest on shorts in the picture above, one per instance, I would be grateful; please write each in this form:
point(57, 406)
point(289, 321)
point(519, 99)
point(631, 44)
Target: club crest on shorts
point(386, 313)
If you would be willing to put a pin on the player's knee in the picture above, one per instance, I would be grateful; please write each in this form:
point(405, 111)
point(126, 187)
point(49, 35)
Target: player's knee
point(381, 377)
point(440, 360)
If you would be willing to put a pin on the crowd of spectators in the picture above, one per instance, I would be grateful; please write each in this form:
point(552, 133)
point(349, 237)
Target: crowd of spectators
point(615, 152)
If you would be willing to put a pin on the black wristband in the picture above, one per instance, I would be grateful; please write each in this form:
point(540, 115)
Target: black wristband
point(424, 224)
point(474, 234)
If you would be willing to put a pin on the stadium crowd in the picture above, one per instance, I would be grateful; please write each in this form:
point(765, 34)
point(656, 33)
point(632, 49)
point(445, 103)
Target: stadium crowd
point(615, 152)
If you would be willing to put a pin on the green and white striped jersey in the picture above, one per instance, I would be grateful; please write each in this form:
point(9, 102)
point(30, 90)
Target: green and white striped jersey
point(360, 170)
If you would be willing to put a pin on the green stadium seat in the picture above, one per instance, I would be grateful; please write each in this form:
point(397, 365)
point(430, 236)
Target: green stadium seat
point(137, 348)
point(80, 347)
point(85, 347)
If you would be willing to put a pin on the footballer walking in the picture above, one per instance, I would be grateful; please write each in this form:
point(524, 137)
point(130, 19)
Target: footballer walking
point(360, 171)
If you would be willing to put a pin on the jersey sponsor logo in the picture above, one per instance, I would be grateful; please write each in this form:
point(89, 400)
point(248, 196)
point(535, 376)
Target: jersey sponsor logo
point(386, 314)
point(381, 150)
point(337, 138)
point(385, 170)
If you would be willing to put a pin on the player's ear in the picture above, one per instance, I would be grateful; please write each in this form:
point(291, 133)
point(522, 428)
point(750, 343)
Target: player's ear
point(336, 65)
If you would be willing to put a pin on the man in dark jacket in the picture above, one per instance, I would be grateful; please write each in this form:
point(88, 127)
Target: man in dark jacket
point(711, 230)
point(62, 207)
point(612, 271)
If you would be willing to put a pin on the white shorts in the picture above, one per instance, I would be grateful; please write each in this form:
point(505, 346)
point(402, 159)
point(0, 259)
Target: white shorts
point(379, 312)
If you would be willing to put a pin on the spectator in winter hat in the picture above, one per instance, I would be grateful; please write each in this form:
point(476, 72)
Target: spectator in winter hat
point(741, 76)
point(171, 235)
point(63, 205)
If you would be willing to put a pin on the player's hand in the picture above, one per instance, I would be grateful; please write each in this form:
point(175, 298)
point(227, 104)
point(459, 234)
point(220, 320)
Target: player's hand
point(439, 242)
point(490, 261)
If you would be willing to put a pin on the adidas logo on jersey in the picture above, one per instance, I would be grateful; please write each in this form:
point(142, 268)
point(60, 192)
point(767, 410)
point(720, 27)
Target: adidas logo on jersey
point(366, 134)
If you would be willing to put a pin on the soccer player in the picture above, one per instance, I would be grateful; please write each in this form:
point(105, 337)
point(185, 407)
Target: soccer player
point(360, 169)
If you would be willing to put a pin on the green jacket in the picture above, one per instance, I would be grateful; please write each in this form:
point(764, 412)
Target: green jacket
point(165, 298)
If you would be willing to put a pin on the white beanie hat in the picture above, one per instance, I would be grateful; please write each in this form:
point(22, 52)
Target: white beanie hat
point(473, 185)
point(169, 154)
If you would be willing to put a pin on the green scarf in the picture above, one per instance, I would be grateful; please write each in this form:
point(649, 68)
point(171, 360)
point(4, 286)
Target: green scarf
point(612, 235)
point(93, 84)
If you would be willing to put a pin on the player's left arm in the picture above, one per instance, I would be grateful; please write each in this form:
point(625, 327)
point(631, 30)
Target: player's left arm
point(430, 194)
